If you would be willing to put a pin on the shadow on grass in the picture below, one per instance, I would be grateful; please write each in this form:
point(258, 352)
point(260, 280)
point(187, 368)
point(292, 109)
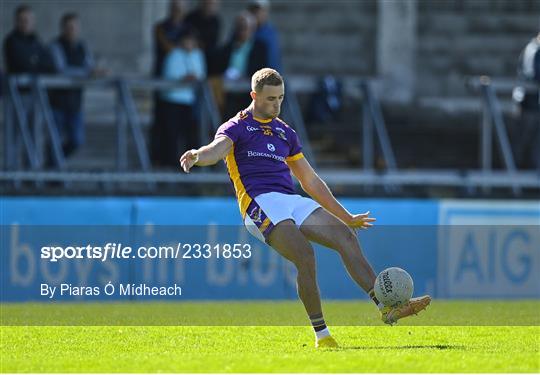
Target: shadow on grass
point(405, 347)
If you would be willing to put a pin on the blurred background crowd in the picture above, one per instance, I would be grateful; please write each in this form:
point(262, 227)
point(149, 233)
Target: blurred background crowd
point(420, 53)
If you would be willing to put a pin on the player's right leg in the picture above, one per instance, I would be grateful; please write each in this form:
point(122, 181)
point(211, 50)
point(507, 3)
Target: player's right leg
point(322, 227)
point(288, 241)
point(325, 229)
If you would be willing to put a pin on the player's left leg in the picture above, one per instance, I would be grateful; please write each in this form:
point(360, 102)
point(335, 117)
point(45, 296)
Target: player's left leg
point(289, 242)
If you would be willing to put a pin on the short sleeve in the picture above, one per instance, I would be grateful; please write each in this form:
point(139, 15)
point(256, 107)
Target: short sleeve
point(230, 130)
point(295, 152)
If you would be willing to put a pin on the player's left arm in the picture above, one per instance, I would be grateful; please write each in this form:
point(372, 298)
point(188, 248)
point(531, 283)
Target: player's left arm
point(318, 190)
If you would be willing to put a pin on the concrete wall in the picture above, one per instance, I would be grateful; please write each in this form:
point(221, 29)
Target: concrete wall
point(459, 38)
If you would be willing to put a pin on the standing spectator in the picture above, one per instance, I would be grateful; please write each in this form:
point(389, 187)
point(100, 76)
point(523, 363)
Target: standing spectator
point(266, 34)
point(185, 63)
point(71, 58)
point(530, 60)
point(206, 22)
point(234, 59)
point(23, 51)
point(238, 58)
point(239, 52)
point(527, 134)
point(25, 54)
point(166, 35)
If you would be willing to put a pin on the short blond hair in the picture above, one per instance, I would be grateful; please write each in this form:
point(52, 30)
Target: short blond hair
point(265, 76)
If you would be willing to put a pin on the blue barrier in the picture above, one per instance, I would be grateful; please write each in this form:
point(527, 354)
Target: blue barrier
point(452, 249)
point(28, 222)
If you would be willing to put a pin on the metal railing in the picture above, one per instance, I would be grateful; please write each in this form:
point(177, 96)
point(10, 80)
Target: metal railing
point(358, 88)
point(22, 131)
point(493, 118)
point(18, 125)
point(373, 119)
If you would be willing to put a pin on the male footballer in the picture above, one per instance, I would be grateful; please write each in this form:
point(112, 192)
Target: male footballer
point(261, 151)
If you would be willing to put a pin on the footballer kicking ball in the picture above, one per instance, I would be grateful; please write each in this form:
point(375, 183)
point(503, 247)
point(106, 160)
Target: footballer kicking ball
point(393, 287)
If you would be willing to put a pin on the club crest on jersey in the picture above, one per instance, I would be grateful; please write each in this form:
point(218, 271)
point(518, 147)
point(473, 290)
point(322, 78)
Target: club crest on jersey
point(271, 147)
point(256, 214)
point(281, 133)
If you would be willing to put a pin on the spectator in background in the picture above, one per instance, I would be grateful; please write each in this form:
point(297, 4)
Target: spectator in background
point(527, 135)
point(166, 35)
point(71, 58)
point(238, 58)
point(184, 63)
point(206, 22)
point(25, 54)
point(530, 60)
point(326, 102)
point(241, 51)
point(23, 51)
point(266, 34)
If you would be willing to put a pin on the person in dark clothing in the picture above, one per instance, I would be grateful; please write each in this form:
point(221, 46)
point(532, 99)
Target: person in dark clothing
point(23, 51)
point(238, 59)
point(266, 35)
point(526, 137)
point(71, 58)
point(166, 35)
point(25, 54)
point(206, 22)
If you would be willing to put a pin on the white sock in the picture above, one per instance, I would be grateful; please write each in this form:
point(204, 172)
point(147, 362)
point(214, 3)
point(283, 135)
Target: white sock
point(322, 333)
point(380, 306)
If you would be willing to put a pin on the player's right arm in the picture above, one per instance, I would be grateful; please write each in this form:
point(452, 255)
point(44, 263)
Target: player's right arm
point(206, 155)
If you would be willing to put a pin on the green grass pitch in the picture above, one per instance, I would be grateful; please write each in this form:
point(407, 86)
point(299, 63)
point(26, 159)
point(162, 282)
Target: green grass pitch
point(455, 336)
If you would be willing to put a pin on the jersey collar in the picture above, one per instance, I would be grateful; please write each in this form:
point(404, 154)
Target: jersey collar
point(260, 120)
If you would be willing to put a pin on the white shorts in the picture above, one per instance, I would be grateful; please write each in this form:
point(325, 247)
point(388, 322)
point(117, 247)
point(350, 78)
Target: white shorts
point(269, 209)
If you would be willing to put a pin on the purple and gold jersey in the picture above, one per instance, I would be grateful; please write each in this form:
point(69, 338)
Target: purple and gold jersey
point(256, 162)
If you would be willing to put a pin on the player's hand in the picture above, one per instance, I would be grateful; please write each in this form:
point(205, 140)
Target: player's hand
point(360, 221)
point(188, 160)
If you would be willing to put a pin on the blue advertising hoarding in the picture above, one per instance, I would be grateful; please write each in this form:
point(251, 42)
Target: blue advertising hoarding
point(452, 249)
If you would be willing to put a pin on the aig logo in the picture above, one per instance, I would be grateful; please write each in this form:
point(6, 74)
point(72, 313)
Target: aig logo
point(271, 147)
